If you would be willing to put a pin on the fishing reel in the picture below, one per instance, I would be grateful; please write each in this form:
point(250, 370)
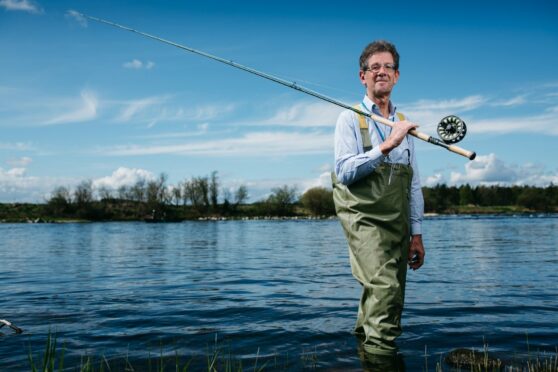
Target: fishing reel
point(452, 129)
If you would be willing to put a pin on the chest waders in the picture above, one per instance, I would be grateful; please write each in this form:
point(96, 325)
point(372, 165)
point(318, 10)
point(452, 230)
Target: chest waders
point(374, 214)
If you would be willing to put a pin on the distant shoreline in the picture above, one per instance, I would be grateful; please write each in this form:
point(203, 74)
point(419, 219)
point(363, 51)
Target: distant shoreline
point(484, 212)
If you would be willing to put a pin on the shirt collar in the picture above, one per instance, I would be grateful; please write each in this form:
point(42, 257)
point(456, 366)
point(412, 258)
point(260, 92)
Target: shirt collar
point(372, 107)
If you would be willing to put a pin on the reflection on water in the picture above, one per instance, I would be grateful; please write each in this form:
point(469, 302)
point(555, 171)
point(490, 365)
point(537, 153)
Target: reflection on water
point(271, 289)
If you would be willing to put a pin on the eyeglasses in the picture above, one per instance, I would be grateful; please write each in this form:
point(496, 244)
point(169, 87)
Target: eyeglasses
point(375, 68)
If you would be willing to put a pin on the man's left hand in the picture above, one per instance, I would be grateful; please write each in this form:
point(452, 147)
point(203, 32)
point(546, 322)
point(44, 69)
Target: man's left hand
point(416, 250)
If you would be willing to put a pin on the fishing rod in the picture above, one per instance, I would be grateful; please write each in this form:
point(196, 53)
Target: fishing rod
point(451, 128)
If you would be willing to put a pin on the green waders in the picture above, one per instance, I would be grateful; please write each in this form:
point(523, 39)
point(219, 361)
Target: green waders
point(374, 213)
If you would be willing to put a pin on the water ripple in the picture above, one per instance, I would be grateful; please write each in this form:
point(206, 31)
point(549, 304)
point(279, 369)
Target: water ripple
point(280, 287)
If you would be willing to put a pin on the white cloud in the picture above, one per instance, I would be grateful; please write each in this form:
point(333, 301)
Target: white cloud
point(201, 130)
point(515, 101)
point(136, 64)
point(484, 169)
point(21, 5)
point(546, 123)
point(304, 114)
point(134, 108)
point(462, 104)
point(16, 185)
point(123, 177)
point(428, 113)
point(77, 16)
point(18, 146)
point(256, 143)
point(30, 108)
point(20, 162)
point(84, 110)
point(325, 167)
point(435, 179)
point(153, 110)
point(323, 180)
point(262, 188)
point(489, 170)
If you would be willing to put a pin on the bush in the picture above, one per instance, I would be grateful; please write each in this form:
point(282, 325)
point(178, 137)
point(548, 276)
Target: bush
point(319, 201)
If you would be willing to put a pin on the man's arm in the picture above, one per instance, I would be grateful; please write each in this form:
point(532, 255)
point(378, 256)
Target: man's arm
point(416, 246)
point(351, 163)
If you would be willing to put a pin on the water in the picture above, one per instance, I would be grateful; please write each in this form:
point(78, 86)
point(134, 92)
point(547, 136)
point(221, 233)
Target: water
point(278, 291)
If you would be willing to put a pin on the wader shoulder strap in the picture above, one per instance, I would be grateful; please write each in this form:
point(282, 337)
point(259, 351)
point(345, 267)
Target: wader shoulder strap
point(364, 133)
point(401, 118)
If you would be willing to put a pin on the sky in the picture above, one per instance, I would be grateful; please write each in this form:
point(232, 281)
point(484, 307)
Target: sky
point(80, 100)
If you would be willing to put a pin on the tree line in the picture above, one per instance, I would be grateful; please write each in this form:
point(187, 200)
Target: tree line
point(448, 199)
point(204, 197)
point(201, 196)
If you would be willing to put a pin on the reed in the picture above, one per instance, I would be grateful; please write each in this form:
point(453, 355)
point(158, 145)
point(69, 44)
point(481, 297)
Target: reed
point(219, 358)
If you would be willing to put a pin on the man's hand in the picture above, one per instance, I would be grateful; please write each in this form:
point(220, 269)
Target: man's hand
point(398, 133)
point(416, 250)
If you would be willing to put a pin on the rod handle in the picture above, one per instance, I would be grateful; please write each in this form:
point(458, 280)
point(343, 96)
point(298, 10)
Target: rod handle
point(471, 155)
point(423, 136)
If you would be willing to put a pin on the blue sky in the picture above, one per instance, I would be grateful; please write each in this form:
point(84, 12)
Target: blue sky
point(82, 100)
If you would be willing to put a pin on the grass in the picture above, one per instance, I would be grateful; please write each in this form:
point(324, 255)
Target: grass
point(219, 358)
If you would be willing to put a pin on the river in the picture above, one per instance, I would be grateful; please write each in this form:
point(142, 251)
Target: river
point(275, 292)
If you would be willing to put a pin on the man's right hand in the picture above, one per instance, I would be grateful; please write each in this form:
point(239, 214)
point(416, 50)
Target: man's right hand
point(398, 133)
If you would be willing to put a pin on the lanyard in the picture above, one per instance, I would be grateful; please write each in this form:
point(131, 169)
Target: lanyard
point(375, 124)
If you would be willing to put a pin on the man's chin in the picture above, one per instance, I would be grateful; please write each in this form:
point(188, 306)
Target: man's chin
point(382, 92)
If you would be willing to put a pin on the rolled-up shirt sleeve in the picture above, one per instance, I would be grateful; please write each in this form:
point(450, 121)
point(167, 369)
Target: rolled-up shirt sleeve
point(351, 162)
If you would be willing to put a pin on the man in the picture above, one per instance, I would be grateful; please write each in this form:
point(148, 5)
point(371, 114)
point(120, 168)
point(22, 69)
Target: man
point(378, 200)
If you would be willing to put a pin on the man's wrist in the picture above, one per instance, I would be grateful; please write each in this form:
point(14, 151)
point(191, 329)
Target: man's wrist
point(385, 147)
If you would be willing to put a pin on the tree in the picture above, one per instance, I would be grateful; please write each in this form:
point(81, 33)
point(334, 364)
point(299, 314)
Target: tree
point(83, 194)
point(535, 199)
point(552, 194)
point(162, 191)
point(466, 196)
point(201, 185)
point(176, 193)
point(240, 195)
point(196, 191)
point(436, 199)
point(319, 201)
point(123, 192)
point(281, 201)
point(105, 193)
point(214, 190)
point(138, 190)
point(156, 193)
point(59, 202)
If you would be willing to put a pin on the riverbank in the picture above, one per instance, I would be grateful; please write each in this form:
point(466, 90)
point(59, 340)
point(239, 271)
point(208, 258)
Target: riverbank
point(119, 212)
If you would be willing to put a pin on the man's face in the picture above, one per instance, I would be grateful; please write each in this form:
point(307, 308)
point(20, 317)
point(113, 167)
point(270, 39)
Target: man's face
point(380, 77)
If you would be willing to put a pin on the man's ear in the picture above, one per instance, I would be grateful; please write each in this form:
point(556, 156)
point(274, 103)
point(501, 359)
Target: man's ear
point(396, 77)
point(361, 76)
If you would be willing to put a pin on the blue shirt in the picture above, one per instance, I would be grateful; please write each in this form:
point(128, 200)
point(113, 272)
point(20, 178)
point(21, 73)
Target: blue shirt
point(352, 163)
